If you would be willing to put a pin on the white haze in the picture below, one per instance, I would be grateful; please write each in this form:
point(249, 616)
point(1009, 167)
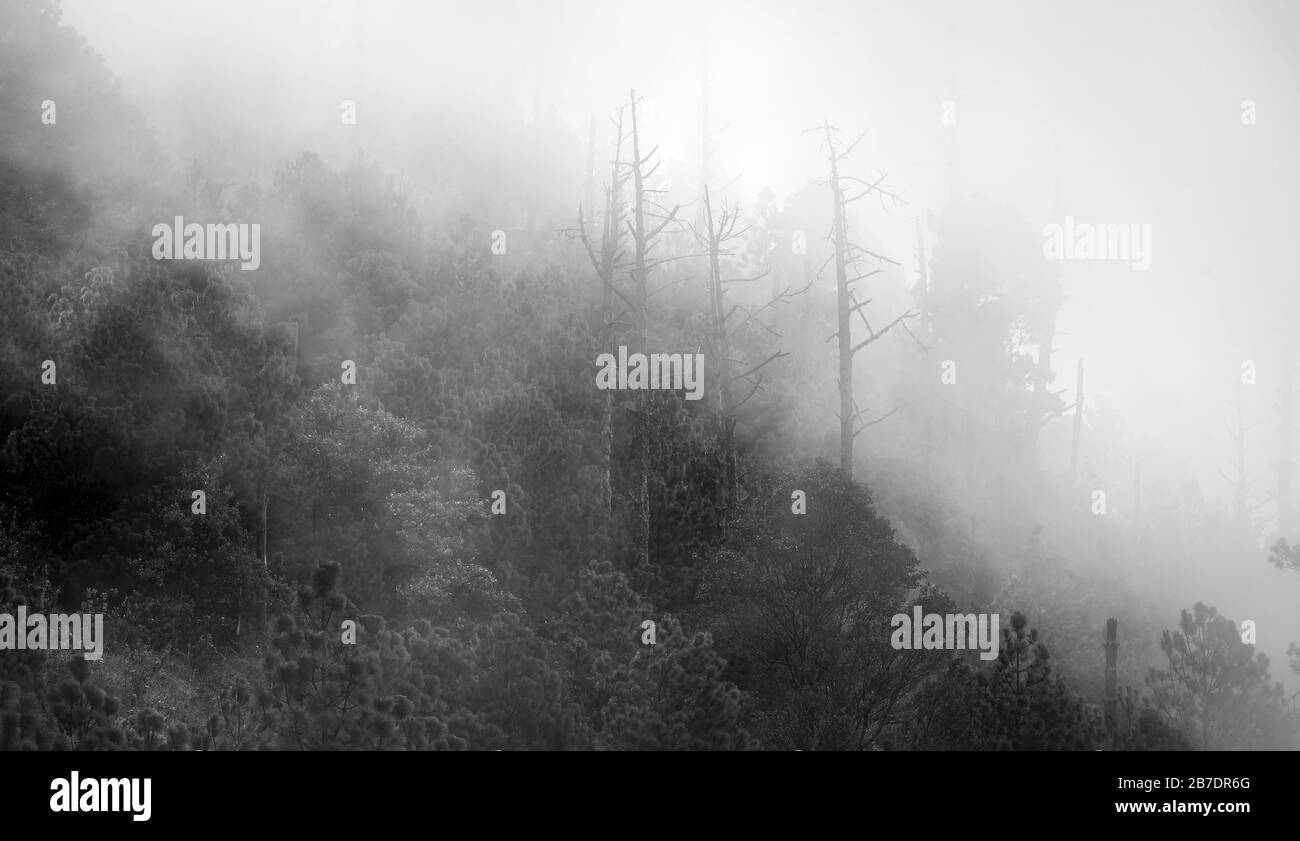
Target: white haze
point(1134, 108)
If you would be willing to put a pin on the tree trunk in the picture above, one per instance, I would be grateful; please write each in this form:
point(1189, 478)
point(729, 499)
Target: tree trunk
point(1078, 421)
point(1286, 441)
point(1137, 492)
point(1240, 507)
point(641, 338)
point(842, 312)
point(726, 423)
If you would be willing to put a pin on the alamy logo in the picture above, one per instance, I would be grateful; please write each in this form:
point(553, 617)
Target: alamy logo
point(73, 794)
point(231, 241)
point(655, 371)
point(58, 631)
point(948, 631)
point(1086, 241)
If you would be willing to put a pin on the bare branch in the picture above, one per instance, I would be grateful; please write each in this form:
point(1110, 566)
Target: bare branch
point(886, 417)
point(655, 232)
point(874, 336)
point(914, 338)
point(881, 257)
point(873, 187)
point(764, 274)
point(758, 384)
point(848, 150)
point(771, 358)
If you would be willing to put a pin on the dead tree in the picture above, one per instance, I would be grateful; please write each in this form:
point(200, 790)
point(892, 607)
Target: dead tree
point(607, 262)
point(1137, 492)
point(719, 232)
point(1243, 484)
point(922, 275)
point(649, 221)
point(850, 256)
point(921, 293)
point(1286, 514)
point(589, 186)
point(706, 138)
point(714, 240)
point(1078, 420)
point(1044, 397)
point(1240, 487)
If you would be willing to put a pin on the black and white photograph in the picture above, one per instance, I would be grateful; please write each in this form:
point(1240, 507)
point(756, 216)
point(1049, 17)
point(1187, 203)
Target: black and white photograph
point(908, 377)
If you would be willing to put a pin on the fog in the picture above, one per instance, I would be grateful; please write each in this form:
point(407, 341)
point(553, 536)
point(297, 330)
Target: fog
point(1135, 113)
point(991, 121)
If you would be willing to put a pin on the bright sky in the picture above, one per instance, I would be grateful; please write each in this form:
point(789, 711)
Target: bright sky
point(1137, 106)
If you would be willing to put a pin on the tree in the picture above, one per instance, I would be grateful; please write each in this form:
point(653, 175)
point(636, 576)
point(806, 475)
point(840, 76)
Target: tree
point(599, 621)
point(848, 255)
point(646, 212)
point(364, 488)
point(716, 238)
point(1217, 688)
point(1142, 727)
point(606, 262)
point(673, 695)
point(1286, 503)
point(488, 685)
point(988, 296)
point(1018, 704)
point(801, 603)
point(42, 708)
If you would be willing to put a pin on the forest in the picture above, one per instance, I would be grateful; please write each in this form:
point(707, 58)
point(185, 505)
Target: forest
point(383, 471)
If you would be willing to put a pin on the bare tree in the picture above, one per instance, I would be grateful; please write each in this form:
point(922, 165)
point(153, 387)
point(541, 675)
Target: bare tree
point(1243, 484)
point(1045, 404)
point(607, 262)
point(645, 228)
point(716, 238)
point(849, 256)
point(1286, 512)
point(649, 220)
point(1078, 420)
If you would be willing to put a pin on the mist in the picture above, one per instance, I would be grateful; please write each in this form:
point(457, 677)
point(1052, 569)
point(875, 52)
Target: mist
point(433, 206)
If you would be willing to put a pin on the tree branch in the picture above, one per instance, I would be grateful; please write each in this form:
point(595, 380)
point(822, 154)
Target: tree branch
point(874, 336)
